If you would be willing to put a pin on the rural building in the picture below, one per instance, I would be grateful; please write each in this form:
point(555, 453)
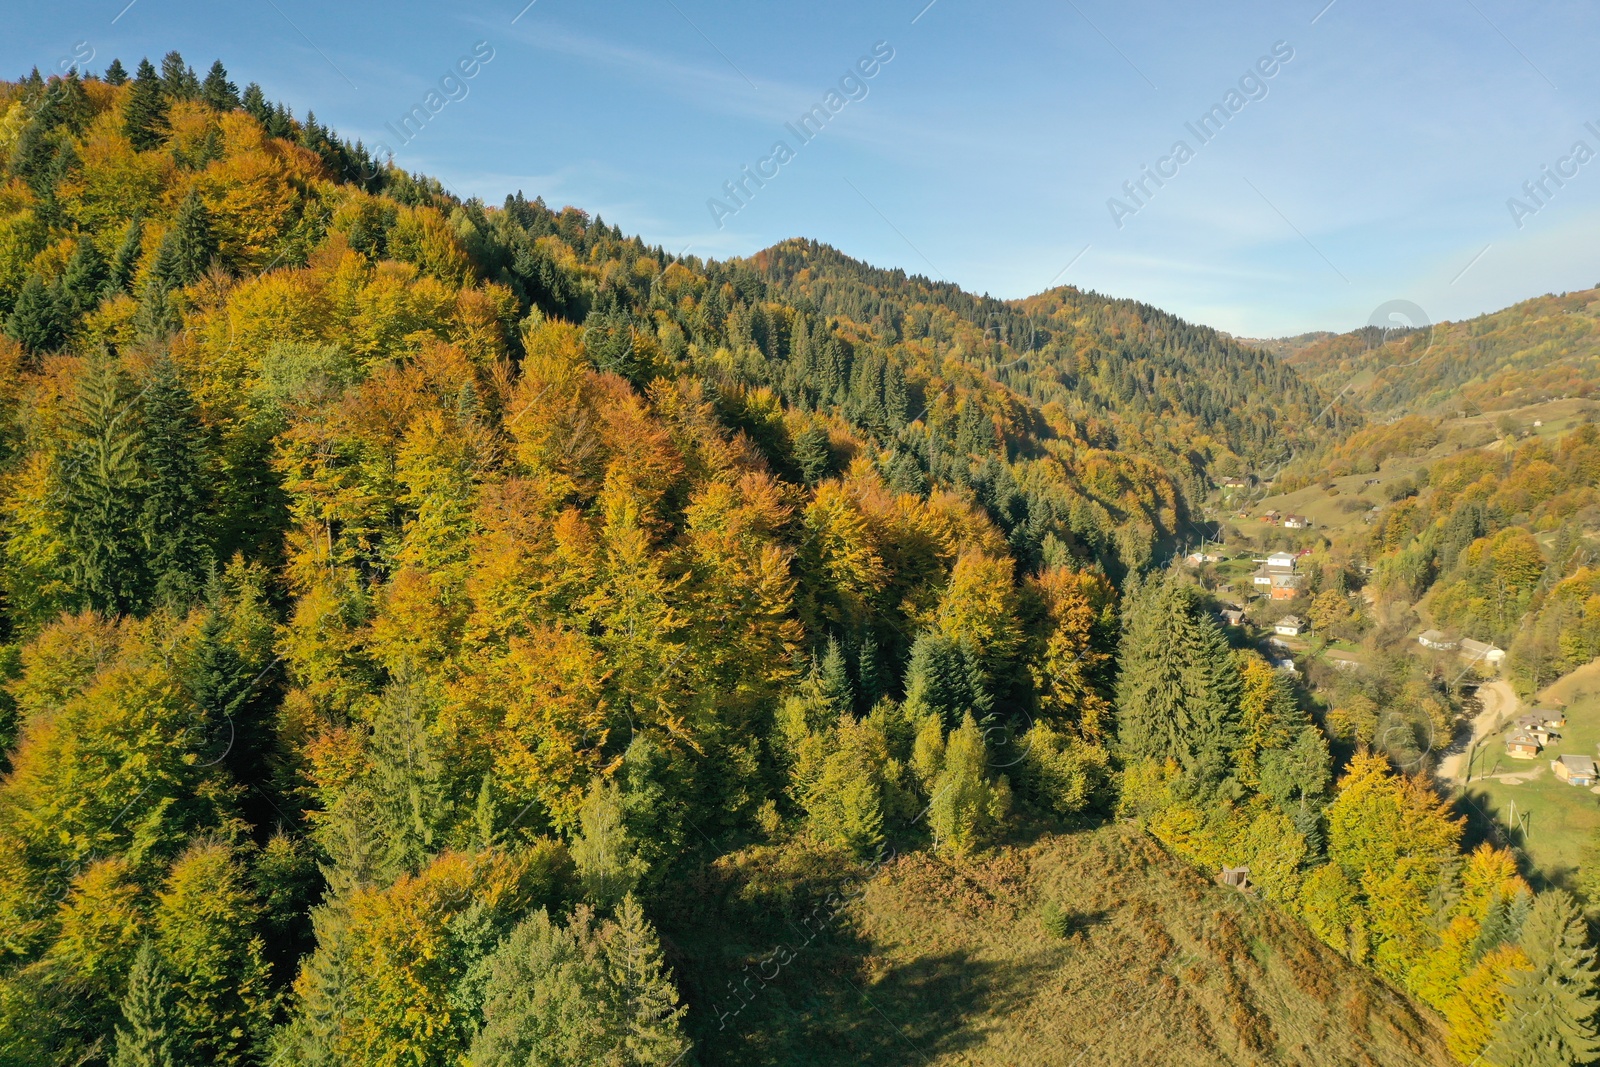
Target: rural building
point(1296, 522)
point(1341, 661)
point(1231, 616)
point(1277, 574)
point(1554, 718)
point(1574, 770)
point(1235, 483)
point(1482, 652)
point(1272, 517)
point(1286, 665)
point(1194, 559)
point(1522, 746)
point(1436, 639)
point(1534, 724)
point(1290, 626)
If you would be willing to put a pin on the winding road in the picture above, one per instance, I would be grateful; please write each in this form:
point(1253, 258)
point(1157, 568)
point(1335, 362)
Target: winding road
point(1499, 704)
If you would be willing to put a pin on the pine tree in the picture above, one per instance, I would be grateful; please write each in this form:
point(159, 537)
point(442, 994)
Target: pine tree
point(217, 90)
point(115, 74)
point(173, 522)
point(144, 114)
point(150, 1038)
point(1550, 1008)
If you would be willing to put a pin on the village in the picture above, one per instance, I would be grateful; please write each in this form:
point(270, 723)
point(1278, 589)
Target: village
point(1523, 767)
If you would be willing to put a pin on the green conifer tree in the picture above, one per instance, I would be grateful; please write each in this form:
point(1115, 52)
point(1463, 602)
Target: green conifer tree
point(149, 1037)
point(834, 677)
point(965, 807)
point(217, 90)
point(187, 249)
point(647, 1018)
point(144, 114)
point(177, 78)
point(85, 276)
point(1178, 689)
point(126, 261)
point(115, 73)
point(100, 487)
point(173, 520)
point(40, 318)
point(1550, 1008)
point(812, 454)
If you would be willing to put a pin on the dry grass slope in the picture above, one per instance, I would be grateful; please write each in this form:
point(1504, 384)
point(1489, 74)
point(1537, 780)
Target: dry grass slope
point(954, 964)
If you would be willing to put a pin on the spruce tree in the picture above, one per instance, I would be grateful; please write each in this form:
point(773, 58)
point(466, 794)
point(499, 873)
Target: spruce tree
point(217, 90)
point(407, 782)
point(647, 1018)
point(964, 806)
point(144, 114)
point(871, 670)
point(40, 318)
point(834, 677)
point(1550, 1008)
point(85, 276)
point(255, 102)
point(1178, 690)
point(150, 1036)
point(115, 74)
point(812, 454)
point(603, 850)
point(127, 257)
point(177, 78)
point(937, 678)
point(100, 488)
point(187, 248)
point(173, 522)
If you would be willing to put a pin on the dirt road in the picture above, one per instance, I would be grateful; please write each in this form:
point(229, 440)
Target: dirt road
point(1500, 704)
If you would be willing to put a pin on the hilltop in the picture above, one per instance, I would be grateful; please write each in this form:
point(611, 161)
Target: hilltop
point(1538, 350)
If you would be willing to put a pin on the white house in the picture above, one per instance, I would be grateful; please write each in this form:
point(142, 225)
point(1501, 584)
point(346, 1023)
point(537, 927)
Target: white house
point(1290, 626)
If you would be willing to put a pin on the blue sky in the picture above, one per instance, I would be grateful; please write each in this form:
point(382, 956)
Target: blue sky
point(1377, 166)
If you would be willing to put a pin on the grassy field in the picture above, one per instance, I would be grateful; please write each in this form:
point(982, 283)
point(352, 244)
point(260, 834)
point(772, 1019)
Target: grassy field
point(1560, 819)
point(933, 963)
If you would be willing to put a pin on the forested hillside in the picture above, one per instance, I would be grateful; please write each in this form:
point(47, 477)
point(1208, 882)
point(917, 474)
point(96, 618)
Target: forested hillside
point(437, 633)
point(1539, 349)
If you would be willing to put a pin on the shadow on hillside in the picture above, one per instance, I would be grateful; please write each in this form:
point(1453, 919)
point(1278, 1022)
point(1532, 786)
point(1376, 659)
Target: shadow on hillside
point(824, 1010)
